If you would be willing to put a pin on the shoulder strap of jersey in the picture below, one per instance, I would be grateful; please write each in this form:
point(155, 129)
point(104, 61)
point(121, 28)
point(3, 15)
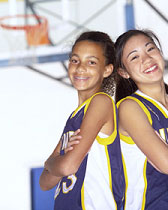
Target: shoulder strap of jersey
point(151, 104)
point(141, 104)
point(128, 139)
point(112, 137)
point(89, 100)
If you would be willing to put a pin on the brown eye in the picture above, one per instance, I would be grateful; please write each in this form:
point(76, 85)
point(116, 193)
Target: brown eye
point(92, 62)
point(133, 58)
point(73, 60)
point(151, 48)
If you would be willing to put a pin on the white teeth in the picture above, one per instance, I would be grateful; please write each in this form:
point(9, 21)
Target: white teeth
point(150, 69)
point(80, 77)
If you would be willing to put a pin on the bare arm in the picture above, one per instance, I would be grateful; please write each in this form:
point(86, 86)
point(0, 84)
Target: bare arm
point(134, 122)
point(47, 180)
point(99, 116)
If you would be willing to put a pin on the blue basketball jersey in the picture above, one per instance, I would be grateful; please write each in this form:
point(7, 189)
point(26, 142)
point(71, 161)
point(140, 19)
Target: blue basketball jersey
point(99, 182)
point(146, 188)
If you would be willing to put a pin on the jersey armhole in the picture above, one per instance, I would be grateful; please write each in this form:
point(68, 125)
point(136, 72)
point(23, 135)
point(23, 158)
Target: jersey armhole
point(110, 139)
point(140, 104)
point(128, 139)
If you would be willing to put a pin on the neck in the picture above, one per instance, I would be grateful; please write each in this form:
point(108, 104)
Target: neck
point(157, 92)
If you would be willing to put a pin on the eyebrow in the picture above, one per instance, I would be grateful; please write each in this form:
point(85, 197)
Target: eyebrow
point(91, 56)
point(131, 53)
point(136, 50)
point(148, 43)
point(73, 54)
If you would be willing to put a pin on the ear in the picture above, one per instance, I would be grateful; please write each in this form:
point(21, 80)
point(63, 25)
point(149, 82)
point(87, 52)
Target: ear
point(108, 70)
point(123, 73)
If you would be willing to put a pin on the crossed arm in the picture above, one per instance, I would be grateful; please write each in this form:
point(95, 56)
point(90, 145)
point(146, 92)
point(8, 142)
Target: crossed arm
point(47, 180)
point(99, 116)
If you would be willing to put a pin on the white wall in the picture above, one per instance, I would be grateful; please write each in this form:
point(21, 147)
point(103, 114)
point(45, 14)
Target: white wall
point(33, 108)
point(145, 17)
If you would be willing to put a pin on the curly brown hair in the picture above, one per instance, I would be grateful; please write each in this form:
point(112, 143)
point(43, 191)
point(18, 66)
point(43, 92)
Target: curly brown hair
point(104, 40)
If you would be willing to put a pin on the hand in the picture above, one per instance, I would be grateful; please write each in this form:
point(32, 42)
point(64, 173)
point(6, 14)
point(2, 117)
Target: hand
point(74, 139)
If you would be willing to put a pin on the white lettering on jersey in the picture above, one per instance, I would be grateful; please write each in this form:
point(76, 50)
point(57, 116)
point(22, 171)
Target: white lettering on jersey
point(57, 191)
point(66, 189)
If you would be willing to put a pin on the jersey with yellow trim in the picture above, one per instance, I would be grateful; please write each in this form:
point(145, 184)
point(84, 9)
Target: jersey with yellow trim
point(146, 188)
point(99, 182)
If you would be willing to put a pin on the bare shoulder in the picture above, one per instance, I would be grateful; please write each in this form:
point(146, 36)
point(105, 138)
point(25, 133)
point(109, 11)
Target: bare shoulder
point(132, 116)
point(133, 113)
point(99, 114)
point(128, 102)
point(129, 106)
point(101, 99)
point(100, 106)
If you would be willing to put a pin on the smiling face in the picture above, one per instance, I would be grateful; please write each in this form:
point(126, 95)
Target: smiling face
point(142, 60)
point(87, 66)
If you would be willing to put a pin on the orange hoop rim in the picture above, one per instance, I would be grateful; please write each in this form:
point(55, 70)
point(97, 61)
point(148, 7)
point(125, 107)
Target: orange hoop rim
point(22, 27)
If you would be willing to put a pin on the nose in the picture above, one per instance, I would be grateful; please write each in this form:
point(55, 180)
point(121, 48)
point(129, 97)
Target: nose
point(81, 68)
point(146, 57)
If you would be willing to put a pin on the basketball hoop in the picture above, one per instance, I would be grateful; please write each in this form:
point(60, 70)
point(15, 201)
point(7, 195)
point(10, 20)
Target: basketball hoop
point(35, 27)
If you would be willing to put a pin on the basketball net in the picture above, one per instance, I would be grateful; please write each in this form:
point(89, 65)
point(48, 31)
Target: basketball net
point(22, 34)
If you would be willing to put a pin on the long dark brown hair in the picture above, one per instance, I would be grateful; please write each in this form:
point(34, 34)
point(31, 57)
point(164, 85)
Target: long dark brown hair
point(126, 87)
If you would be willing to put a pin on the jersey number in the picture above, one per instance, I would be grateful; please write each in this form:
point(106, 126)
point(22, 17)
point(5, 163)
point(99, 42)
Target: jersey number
point(65, 188)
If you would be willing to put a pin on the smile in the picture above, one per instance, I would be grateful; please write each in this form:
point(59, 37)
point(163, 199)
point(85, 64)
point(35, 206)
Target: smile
point(81, 78)
point(151, 69)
